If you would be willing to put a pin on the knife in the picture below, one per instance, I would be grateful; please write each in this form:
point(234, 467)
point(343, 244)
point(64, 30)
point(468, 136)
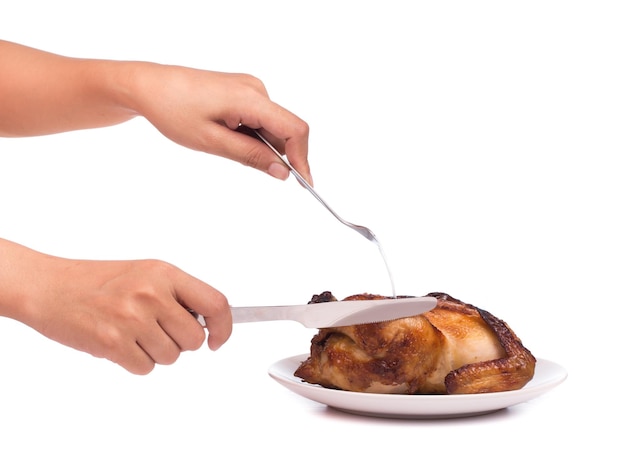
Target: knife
point(335, 313)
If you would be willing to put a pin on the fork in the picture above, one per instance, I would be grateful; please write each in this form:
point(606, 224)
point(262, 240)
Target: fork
point(362, 230)
point(366, 232)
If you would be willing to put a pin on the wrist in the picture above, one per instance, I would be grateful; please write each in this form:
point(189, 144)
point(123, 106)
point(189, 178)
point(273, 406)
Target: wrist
point(117, 84)
point(23, 282)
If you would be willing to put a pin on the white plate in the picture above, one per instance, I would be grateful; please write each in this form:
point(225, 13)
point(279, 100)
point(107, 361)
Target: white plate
point(547, 376)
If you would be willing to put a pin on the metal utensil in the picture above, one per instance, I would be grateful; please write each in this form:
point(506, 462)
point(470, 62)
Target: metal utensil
point(333, 314)
point(362, 230)
point(366, 232)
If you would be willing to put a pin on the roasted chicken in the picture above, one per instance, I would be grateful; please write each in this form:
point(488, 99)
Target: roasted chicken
point(455, 348)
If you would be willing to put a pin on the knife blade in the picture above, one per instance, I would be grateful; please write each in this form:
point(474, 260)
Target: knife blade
point(333, 314)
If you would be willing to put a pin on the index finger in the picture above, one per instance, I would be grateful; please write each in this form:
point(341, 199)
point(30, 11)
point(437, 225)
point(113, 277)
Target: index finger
point(211, 304)
point(218, 323)
point(288, 133)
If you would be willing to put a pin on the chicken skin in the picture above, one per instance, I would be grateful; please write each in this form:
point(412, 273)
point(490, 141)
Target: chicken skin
point(455, 348)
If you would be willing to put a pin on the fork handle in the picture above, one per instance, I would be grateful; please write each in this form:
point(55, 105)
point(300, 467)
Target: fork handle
point(297, 175)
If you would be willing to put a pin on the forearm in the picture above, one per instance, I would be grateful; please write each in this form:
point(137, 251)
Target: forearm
point(43, 93)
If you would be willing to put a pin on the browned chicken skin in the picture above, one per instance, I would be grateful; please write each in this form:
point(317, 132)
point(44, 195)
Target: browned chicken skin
point(453, 349)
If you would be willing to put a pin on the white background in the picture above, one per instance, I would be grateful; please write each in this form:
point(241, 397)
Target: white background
point(481, 141)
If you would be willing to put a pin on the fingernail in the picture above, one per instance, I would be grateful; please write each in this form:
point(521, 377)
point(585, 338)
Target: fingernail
point(278, 170)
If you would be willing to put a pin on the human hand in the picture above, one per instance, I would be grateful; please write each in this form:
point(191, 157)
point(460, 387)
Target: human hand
point(202, 110)
point(133, 313)
point(45, 93)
